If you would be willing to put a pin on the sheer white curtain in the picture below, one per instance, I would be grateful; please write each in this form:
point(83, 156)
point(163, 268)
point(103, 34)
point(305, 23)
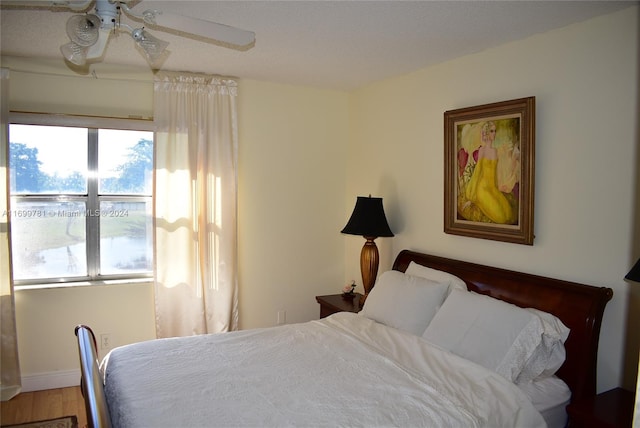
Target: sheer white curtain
point(10, 383)
point(195, 204)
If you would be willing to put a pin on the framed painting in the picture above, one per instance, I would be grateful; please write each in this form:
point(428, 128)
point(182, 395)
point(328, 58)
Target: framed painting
point(489, 171)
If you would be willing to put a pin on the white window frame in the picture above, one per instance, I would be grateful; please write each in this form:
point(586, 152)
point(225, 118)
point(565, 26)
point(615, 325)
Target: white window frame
point(92, 247)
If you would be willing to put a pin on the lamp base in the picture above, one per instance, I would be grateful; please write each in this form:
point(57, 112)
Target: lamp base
point(369, 260)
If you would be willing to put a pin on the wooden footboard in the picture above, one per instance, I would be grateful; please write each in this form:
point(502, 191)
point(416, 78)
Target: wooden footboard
point(91, 382)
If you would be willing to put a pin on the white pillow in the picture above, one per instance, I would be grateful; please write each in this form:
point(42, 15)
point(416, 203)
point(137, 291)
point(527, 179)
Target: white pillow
point(452, 281)
point(404, 302)
point(490, 332)
point(550, 354)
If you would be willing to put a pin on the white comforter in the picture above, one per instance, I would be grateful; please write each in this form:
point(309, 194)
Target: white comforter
point(344, 370)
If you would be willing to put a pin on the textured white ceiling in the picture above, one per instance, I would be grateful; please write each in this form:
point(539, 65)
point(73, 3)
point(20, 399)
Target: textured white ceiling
point(330, 44)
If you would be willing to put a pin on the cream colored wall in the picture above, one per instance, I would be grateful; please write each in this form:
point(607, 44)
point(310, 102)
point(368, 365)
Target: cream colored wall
point(585, 80)
point(292, 168)
point(46, 319)
point(291, 180)
point(48, 86)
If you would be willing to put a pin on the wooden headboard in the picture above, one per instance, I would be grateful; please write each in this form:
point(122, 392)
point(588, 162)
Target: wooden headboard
point(579, 306)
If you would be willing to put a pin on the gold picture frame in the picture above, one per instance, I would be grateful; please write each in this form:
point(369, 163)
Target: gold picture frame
point(489, 171)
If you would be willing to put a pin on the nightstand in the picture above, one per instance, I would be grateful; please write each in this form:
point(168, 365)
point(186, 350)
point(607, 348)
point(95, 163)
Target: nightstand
point(338, 303)
point(611, 409)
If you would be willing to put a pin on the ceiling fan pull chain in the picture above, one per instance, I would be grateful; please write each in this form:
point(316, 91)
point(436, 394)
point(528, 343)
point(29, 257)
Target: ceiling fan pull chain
point(119, 13)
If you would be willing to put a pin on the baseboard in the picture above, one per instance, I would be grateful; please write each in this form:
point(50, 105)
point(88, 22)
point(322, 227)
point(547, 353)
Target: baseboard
point(52, 380)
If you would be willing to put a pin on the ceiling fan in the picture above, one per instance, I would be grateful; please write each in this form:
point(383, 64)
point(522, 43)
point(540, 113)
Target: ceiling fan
point(90, 31)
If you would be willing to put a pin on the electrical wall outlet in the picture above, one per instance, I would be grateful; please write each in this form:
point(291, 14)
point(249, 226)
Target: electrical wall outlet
point(282, 317)
point(105, 341)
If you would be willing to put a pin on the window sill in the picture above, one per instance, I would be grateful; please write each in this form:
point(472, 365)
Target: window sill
point(108, 282)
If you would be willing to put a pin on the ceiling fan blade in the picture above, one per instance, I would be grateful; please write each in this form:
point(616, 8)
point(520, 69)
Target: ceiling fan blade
point(75, 5)
point(199, 28)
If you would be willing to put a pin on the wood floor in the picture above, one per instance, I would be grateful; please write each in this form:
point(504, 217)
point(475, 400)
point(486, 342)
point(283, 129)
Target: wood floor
point(40, 405)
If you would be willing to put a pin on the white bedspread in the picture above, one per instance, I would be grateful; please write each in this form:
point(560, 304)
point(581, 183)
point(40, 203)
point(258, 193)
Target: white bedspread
point(344, 370)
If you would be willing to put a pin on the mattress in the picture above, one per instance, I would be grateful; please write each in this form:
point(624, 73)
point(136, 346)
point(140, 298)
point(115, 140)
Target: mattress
point(550, 396)
point(343, 370)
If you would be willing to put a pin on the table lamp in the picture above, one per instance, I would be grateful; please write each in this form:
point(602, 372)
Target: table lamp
point(368, 220)
point(634, 275)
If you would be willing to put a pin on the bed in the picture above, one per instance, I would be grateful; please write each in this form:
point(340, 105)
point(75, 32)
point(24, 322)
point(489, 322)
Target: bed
point(384, 366)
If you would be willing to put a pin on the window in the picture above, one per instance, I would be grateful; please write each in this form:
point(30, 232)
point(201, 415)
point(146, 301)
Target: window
point(81, 203)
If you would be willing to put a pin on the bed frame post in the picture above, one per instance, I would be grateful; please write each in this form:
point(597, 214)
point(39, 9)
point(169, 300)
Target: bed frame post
point(91, 382)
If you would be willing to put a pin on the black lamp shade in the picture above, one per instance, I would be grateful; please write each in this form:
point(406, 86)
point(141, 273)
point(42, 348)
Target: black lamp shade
point(368, 219)
point(634, 273)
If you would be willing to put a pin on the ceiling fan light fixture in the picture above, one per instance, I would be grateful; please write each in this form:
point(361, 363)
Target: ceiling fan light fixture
point(152, 47)
point(74, 53)
point(83, 29)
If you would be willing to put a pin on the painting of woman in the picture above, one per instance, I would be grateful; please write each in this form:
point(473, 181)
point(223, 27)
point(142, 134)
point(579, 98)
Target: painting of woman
point(488, 171)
